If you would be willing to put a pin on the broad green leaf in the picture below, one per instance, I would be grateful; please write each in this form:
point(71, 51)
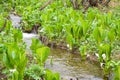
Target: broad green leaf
point(108, 52)
point(56, 76)
point(17, 35)
point(35, 44)
point(69, 40)
point(111, 35)
point(51, 76)
point(15, 75)
point(97, 35)
point(117, 73)
point(42, 54)
point(82, 50)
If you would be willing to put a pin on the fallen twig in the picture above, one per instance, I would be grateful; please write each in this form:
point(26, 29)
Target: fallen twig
point(46, 4)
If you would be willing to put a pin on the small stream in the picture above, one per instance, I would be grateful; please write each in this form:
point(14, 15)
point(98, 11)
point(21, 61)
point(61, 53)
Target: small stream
point(70, 66)
point(67, 64)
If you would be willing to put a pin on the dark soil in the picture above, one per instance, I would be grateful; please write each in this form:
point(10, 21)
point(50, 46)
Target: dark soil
point(2, 76)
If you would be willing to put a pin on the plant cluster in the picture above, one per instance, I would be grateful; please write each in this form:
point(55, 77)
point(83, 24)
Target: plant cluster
point(95, 31)
point(13, 51)
point(14, 60)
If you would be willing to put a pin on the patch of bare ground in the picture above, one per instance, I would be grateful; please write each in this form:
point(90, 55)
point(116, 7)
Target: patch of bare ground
point(3, 76)
point(114, 4)
point(116, 55)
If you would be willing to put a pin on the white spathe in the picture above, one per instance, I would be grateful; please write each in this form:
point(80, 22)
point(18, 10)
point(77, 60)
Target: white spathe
point(103, 56)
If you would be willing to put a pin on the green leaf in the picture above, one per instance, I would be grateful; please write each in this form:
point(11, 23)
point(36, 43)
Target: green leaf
point(35, 45)
point(111, 35)
point(117, 73)
point(82, 50)
point(97, 35)
point(51, 76)
point(17, 35)
point(69, 40)
point(105, 49)
point(108, 52)
point(15, 76)
point(42, 54)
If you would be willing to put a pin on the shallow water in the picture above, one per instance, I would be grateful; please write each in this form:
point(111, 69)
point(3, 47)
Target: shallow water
point(70, 66)
point(67, 64)
point(27, 38)
point(15, 20)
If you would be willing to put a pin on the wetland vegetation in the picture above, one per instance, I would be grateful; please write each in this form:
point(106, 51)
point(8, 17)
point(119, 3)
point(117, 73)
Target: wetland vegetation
point(60, 40)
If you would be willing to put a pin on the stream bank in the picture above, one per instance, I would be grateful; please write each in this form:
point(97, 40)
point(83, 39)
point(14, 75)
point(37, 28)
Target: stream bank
point(70, 66)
